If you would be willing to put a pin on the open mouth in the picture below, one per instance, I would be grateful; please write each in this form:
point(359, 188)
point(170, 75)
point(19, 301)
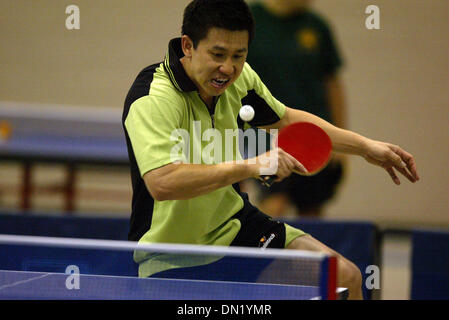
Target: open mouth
point(219, 83)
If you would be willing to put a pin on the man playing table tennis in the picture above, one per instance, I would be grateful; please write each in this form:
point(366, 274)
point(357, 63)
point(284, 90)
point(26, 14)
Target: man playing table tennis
point(194, 197)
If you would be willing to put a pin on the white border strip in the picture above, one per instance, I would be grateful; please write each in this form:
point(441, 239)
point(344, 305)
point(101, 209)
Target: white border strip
point(160, 248)
point(10, 285)
point(60, 112)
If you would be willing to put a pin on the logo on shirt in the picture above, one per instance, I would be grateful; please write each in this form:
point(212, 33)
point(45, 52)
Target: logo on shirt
point(264, 242)
point(307, 38)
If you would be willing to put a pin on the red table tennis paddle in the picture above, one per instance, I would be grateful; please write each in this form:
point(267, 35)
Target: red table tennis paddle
point(308, 143)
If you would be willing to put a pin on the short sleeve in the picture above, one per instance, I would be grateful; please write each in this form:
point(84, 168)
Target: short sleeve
point(151, 124)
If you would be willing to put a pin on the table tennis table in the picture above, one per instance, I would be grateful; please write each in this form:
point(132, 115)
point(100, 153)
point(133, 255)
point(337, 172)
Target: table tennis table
point(25, 285)
point(71, 138)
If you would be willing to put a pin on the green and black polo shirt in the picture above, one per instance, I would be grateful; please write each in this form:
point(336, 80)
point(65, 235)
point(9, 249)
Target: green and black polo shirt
point(162, 102)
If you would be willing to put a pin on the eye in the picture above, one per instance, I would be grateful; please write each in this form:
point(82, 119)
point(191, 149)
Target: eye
point(238, 56)
point(218, 55)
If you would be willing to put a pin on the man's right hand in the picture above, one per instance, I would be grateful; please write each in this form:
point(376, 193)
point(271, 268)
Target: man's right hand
point(276, 162)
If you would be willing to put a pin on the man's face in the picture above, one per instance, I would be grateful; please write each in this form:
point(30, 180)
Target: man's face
point(217, 61)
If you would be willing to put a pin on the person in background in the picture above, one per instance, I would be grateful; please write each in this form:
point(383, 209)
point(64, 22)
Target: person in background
point(296, 56)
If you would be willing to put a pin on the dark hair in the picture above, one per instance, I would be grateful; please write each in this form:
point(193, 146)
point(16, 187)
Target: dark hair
point(202, 15)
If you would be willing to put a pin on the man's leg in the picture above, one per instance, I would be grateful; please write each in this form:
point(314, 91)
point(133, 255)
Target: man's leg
point(348, 274)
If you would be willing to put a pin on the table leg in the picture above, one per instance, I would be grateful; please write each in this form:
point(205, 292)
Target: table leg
point(69, 190)
point(27, 187)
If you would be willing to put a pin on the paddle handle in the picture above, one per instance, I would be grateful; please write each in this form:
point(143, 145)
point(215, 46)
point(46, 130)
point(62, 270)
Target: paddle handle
point(267, 182)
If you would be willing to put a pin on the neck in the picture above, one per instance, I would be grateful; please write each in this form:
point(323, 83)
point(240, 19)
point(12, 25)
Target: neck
point(208, 100)
point(282, 8)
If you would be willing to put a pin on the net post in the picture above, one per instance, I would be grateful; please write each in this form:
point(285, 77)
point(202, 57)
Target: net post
point(328, 280)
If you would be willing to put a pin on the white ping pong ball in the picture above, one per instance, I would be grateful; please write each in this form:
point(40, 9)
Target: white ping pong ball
point(246, 113)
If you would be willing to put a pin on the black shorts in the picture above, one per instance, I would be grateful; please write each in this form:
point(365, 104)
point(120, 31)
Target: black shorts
point(258, 229)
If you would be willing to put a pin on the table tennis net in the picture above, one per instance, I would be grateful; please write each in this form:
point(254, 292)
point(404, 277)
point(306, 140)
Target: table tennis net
point(165, 261)
point(262, 269)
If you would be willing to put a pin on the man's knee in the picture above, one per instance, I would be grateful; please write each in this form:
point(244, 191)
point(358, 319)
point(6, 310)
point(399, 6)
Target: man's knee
point(349, 275)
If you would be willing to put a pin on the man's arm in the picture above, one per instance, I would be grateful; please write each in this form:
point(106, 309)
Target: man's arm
point(385, 155)
point(180, 181)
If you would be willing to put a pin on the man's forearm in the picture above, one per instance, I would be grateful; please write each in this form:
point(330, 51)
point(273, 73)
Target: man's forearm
point(185, 181)
point(342, 140)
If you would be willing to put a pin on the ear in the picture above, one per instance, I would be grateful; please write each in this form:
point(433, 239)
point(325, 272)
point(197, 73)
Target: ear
point(187, 45)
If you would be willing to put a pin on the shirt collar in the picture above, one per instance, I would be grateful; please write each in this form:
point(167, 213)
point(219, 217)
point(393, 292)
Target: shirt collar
point(174, 68)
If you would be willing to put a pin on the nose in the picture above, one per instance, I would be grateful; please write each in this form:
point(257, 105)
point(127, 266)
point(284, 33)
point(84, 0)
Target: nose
point(227, 68)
